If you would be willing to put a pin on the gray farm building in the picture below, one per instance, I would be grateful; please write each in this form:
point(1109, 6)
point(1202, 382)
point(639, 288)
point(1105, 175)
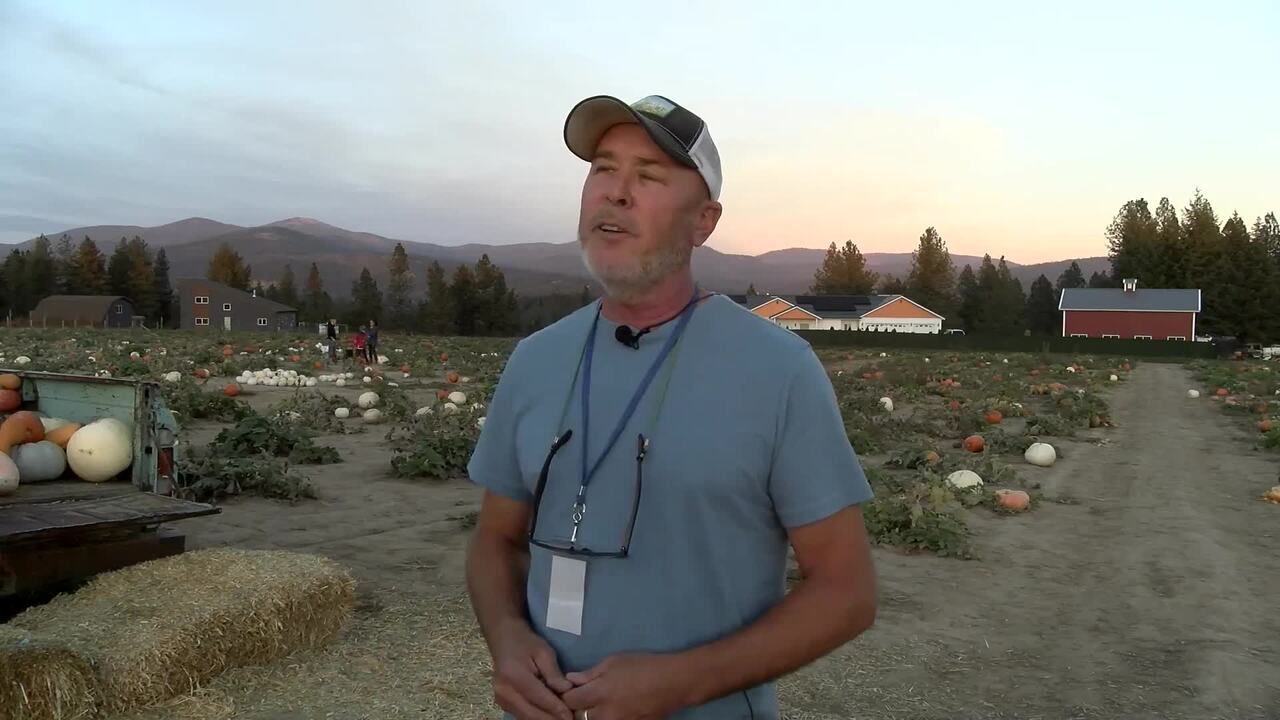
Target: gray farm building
point(103, 311)
point(207, 305)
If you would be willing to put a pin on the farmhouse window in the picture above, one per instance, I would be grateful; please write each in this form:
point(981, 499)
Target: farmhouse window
point(1141, 337)
point(1112, 337)
point(1176, 337)
point(1083, 335)
point(226, 307)
point(202, 299)
point(202, 321)
point(262, 322)
point(119, 308)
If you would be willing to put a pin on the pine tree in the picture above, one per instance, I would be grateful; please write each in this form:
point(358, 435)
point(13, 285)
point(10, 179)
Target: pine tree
point(229, 268)
point(1249, 285)
point(89, 274)
point(1203, 236)
point(1072, 277)
point(1012, 302)
point(141, 277)
point(893, 285)
point(1101, 279)
point(970, 300)
point(437, 310)
point(1042, 309)
point(843, 272)
point(1131, 240)
point(1170, 261)
point(287, 288)
point(162, 291)
point(990, 317)
point(65, 254)
point(932, 279)
point(487, 307)
point(118, 269)
point(399, 289)
point(751, 290)
point(462, 293)
point(366, 300)
point(14, 299)
point(41, 271)
point(1266, 232)
point(316, 302)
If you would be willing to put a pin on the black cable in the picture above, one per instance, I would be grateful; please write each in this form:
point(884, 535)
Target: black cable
point(750, 708)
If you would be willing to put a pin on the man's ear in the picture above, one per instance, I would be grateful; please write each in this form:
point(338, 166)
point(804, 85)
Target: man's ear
point(708, 218)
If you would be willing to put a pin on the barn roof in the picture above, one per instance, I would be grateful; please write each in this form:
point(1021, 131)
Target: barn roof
point(832, 307)
point(75, 308)
point(1140, 300)
point(267, 304)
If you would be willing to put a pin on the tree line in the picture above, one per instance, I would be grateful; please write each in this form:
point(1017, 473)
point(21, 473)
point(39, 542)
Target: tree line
point(1236, 268)
point(67, 268)
point(472, 300)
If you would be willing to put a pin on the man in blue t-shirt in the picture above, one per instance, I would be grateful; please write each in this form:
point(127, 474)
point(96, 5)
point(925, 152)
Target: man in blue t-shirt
point(648, 459)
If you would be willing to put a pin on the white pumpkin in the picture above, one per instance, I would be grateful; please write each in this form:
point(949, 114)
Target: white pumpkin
point(8, 475)
point(1070, 369)
point(450, 407)
point(134, 355)
point(367, 379)
point(964, 480)
point(349, 376)
point(100, 450)
point(368, 400)
point(480, 423)
point(887, 404)
point(172, 377)
point(383, 359)
point(373, 415)
point(342, 413)
point(21, 360)
point(39, 461)
point(340, 382)
point(1114, 378)
point(312, 382)
point(458, 397)
point(424, 410)
point(1193, 394)
point(1041, 454)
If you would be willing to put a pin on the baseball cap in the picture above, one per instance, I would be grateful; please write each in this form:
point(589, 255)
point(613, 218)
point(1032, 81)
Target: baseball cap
point(681, 134)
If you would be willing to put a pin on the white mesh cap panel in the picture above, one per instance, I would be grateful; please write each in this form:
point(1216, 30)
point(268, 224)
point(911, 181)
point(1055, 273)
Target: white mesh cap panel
point(707, 158)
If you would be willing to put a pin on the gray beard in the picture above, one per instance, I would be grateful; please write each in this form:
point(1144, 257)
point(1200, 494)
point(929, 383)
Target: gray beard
point(627, 284)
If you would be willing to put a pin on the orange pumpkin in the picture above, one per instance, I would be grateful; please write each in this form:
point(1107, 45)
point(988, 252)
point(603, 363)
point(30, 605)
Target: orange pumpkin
point(231, 390)
point(227, 351)
point(444, 357)
point(202, 373)
point(317, 365)
point(10, 400)
point(295, 358)
point(954, 406)
point(975, 444)
point(1222, 392)
point(1265, 425)
point(452, 377)
point(932, 457)
point(1126, 367)
point(1035, 372)
point(18, 428)
point(62, 435)
point(10, 382)
point(1015, 500)
point(442, 394)
point(1260, 408)
point(404, 368)
point(993, 417)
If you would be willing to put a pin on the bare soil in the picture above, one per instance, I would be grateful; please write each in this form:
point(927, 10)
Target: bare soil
point(1145, 587)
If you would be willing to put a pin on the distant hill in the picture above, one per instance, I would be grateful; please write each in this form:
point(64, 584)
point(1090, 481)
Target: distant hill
point(531, 268)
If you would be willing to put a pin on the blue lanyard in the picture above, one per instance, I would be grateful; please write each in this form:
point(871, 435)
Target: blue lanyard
point(588, 472)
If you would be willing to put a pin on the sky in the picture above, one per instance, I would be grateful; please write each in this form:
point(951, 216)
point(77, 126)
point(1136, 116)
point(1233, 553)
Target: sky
point(1015, 128)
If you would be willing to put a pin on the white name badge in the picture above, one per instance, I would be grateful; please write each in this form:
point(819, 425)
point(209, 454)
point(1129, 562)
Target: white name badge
point(568, 587)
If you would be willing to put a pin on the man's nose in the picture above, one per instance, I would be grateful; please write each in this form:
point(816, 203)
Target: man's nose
point(619, 192)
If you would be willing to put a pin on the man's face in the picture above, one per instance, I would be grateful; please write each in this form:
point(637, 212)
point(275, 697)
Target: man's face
point(642, 213)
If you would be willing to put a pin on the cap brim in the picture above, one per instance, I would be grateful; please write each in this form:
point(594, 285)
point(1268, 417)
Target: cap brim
point(590, 119)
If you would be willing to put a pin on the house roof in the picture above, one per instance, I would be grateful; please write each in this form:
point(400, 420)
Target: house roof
point(75, 308)
point(1140, 300)
point(264, 303)
point(829, 307)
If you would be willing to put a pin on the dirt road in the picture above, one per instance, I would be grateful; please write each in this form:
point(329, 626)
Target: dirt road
point(1156, 595)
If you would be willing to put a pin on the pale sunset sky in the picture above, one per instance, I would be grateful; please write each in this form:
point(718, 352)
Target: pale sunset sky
point(1016, 131)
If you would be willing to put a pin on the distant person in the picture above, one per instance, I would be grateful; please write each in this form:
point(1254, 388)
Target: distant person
point(371, 343)
point(639, 579)
point(358, 342)
point(331, 334)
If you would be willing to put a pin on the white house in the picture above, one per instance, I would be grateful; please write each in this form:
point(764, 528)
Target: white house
point(883, 313)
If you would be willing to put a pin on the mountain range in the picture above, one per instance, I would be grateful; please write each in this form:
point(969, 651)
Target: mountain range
point(530, 268)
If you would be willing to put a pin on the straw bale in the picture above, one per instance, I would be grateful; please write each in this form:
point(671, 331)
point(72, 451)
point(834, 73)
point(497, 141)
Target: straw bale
point(161, 628)
point(41, 679)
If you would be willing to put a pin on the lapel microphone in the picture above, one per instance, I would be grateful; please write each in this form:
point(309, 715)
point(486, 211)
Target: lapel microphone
point(629, 337)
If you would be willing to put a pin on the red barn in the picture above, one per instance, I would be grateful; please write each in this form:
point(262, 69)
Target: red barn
point(1129, 313)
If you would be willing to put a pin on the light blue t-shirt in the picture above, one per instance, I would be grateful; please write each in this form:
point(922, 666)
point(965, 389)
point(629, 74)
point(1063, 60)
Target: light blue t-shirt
point(749, 442)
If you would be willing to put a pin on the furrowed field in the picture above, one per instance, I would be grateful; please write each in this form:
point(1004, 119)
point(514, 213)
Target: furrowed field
point(1135, 578)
